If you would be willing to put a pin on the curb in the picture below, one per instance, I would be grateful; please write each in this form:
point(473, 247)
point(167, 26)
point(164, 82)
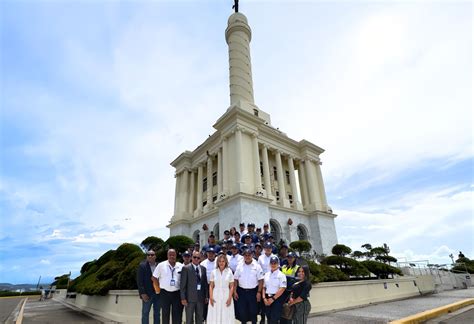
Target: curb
point(435, 312)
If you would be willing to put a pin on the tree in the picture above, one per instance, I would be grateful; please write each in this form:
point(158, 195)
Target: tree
point(348, 266)
point(381, 270)
point(179, 242)
point(358, 254)
point(301, 246)
point(152, 243)
point(341, 250)
point(368, 251)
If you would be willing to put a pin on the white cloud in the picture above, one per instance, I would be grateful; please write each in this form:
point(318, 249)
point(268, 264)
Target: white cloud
point(433, 218)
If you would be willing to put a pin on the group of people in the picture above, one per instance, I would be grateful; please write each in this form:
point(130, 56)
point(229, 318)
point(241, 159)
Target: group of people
point(240, 277)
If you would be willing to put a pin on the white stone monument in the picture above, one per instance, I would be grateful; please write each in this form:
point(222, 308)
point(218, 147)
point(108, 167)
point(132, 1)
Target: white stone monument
point(248, 171)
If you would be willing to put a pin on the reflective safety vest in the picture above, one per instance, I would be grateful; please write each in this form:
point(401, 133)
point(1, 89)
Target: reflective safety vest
point(290, 272)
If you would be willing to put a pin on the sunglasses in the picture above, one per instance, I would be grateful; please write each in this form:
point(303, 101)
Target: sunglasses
point(196, 257)
point(150, 254)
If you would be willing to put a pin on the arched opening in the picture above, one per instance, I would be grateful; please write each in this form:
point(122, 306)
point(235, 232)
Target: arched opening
point(216, 231)
point(196, 236)
point(275, 229)
point(302, 232)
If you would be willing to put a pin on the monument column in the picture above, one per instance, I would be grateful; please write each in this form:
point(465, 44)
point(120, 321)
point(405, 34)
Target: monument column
point(219, 173)
point(322, 190)
point(312, 185)
point(256, 164)
point(192, 197)
point(266, 172)
point(176, 196)
point(238, 36)
point(303, 184)
point(209, 182)
point(281, 181)
point(225, 167)
point(294, 191)
point(184, 191)
point(199, 192)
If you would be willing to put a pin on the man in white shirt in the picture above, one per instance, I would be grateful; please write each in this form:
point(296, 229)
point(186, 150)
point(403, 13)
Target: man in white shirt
point(235, 258)
point(264, 259)
point(248, 281)
point(167, 276)
point(242, 231)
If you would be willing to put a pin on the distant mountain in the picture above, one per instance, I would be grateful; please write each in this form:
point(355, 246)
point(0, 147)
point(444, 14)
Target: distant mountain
point(12, 287)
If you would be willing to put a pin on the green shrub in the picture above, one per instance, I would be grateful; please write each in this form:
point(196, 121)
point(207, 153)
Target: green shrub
point(325, 273)
point(341, 250)
point(349, 266)
point(179, 242)
point(127, 279)
point(301, 246)
point(86, 266)
point(381, 270)
point(152, 243)
point(108, 270)
point(124, 250)
point(106, 257)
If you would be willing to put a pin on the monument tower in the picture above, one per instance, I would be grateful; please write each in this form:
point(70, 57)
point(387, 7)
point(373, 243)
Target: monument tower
point(248, 171)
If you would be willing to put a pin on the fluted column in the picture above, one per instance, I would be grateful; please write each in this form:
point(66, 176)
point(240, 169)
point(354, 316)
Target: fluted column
point(209, 182)
point(256, 165)
point(192, 196)
point(176, 197)
point(266, 172)
point(315, 201)
point(184, 191)
point(219, 173)
point(294, 191)
point(281, 181)
point(238, 143)
point(225, 167)
point(322, 190)
point(199, 191)
point(303, 184)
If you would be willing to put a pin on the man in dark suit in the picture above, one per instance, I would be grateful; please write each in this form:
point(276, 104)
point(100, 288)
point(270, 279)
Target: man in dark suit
point(194, 289)
point(145, 289)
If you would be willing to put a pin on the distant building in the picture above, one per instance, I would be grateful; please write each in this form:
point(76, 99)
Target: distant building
point(248, 171)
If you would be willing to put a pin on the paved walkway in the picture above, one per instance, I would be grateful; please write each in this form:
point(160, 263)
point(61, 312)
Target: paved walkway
point(383, 313)
point(8, 306)
point(52, 312)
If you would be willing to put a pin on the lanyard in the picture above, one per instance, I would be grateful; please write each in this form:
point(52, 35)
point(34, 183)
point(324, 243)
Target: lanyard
point(172, 272)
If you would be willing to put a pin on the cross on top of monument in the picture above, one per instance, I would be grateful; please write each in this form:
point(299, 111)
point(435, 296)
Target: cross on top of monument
point(236, 5)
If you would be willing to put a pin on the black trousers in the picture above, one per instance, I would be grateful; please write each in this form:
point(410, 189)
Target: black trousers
point(247, 305)
point(274, 310)
point(171, 303)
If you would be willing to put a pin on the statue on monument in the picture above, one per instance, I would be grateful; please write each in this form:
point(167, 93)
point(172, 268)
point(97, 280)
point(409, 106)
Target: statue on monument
point(236, 5)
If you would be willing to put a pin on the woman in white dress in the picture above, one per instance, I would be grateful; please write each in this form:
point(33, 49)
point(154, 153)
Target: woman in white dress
point(221, 289)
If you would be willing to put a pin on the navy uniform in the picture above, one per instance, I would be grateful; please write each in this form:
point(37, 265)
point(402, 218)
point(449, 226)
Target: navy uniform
point(274, 288)
point(248, 279)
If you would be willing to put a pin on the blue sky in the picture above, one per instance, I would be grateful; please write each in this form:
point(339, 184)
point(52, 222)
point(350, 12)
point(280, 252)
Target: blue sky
point(97, 98)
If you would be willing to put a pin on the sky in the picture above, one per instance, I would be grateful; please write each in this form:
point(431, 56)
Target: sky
point(98, 97)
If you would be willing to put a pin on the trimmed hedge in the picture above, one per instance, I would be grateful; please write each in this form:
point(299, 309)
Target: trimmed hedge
point(115, 269)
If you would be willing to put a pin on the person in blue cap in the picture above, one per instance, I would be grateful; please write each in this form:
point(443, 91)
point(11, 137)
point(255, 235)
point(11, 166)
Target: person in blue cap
point(248, 281)
point(274, 287)
point(211, 243)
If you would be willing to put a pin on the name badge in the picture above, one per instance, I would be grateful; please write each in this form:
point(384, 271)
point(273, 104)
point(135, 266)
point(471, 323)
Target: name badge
point(199, 287)
point(172, 283)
